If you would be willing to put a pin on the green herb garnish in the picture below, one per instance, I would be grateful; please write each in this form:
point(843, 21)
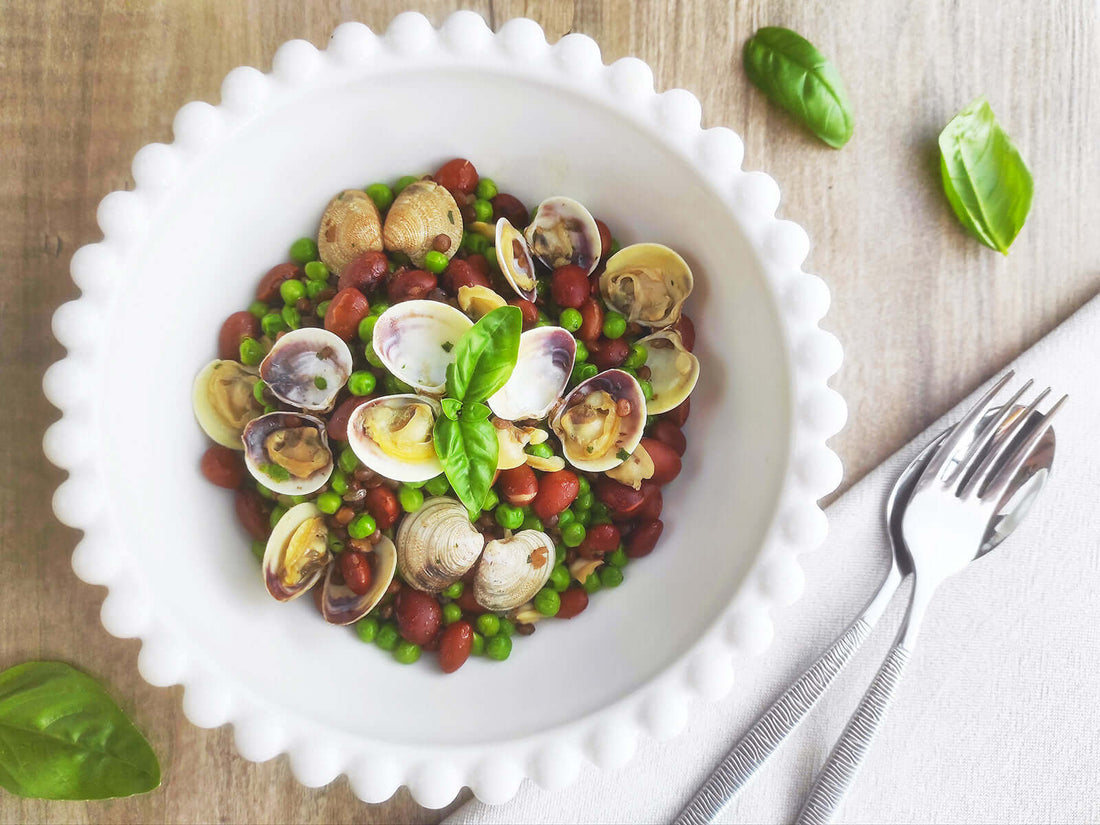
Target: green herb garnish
point(275, 472)
point(319, 382)
point(622, 455)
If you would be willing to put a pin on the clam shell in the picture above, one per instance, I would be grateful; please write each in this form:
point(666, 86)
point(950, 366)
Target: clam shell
point(307, 518)
point(437, 544)
point(257, 456)
point(594, 436)
point(210, 402)
point(339, 605)
point(564, 232)
point(514, 259)
point(307, 367)
point(423, 211)
point(416, 340)
point(350, 226)
point(512, 440)
point(635, 469)
point(673, 371)
point(479, 301)
point(647, 283)
point(512, 570)
point(542, 370)
point(394, 440)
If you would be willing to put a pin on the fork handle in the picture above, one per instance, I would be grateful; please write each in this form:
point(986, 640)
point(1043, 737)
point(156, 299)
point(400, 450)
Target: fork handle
point(847, 755)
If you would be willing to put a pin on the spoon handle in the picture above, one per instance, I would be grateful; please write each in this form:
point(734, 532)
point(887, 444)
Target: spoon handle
point(847, 755)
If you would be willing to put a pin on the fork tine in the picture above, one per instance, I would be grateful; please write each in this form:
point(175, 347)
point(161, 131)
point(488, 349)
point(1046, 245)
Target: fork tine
point(1015, 461)
point(978, 448)
point(991, 458)
point(963, 431)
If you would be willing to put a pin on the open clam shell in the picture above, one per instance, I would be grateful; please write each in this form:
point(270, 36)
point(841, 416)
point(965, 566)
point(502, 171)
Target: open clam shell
point(647, 283)
point(512, 442)
point(515, 259)
point(392, 435)
point(339, 605)
point(288, 452)
point(437, 544)
point(416, 340)
point(307, 367)
point(223, 402)
point(512, 570)
point(542, 370)
point(673, 371)
point(564, 232)
point(297, 552)
point(601, 422)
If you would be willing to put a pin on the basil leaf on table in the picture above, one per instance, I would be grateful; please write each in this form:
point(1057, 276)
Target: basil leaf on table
point(63, 737)
point(468, 451)
point(986, 181)
point(485, 355)
point(794, 74)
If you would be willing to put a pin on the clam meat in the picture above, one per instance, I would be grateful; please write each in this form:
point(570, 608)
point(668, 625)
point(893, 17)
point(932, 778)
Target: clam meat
point(297, 552)
point(647, 283)
point(564, 232)
point(514, 260)
point(223, 401)
point(392, 435)
point(287, 452)
point(673, 371)
point(601, 421)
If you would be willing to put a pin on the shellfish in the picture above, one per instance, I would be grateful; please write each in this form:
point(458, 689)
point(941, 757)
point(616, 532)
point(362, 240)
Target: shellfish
point(647, 283)
point(601, 421)
point(392, 435)
point(307, 367)
point(513, 569)
point(223, 401)
point(437, 544)
point(287, 452)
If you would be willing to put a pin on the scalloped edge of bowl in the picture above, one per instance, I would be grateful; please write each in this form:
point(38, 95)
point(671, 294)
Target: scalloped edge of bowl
point(606, 738)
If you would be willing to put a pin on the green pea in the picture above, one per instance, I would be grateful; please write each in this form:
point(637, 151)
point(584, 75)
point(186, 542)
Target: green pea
point(367, 629)
point(269, 408)
point(610, 576)
point(334, 544)
point(588, 371)
point(277, 512)
point(483, 210)
point(498, 648)
point(614, 325)
point(404, 181)
point(592, 583)
point(650, 420)
point(292, 291)
point(559, 554)
point(299, 499)
point(347, 461)
point(436, 262)
point(582, 353)
point(329, 502)
point(477, 646)
point(508, 517)
point(615, 247)
point(258, 392)
point(322, 308)
point(272, 324)
point(263, 491)
point(338, 482)
point(542, 288)
point(617, 558)
point(542, 450)
point(361, 382)
point(387, 636)
point(647, 389)
point(584, 501)
point(303, 250)
point(491, 256)
point(317, 271)
point(372, 356)
point(559, 578)
point(488, 624)
point(570, 319)
point(366, 328)
point(531, 522)
point(438, 486)
point(395, 386)
point(451, 613)
point(478, 244)
point(543, 320)
point(252, 352)
point(258, 549)
point(258, 309)
point(565, 517)
point(601, 513)
point(410, 498)
point(291, 317)
point(315, 288)
point(637, 357)
point(547, 602)
point(361, 526)
point(584, 518)
point(381, 194)
point(583, 485)
point(487, 189)
point(506, 627)
point(455, 590)
point(378, 307)
point(573, 534)
point(491, 500)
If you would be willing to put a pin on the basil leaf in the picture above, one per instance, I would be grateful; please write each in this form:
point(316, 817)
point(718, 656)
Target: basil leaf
point(485, 355)
point(63, 737)
point(476, 411)
point(986, 181)
point(794, 74)
point(451, 407)
point(468, 449)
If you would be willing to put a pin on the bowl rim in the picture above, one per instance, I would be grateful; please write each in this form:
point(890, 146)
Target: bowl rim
point(659, 708)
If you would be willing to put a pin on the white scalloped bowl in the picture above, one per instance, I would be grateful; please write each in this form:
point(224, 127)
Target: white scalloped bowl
point(212, 211)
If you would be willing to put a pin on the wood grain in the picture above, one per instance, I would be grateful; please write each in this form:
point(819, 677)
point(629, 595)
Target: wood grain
point(924, 312)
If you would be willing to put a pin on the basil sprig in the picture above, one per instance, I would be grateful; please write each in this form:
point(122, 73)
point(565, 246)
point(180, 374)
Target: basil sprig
point(63, 737)
point(465, 439)
point(794, 74)
point(986, 181)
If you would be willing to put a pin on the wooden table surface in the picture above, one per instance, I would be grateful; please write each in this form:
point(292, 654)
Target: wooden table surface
point(924, 311)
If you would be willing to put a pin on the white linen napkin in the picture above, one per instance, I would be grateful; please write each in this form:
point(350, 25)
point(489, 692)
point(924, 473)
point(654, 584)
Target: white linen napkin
point(998, 716)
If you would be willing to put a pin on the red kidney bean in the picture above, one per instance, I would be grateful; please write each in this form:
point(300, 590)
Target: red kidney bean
point(345, 311)
point(600, 539)
point(460, 273)
point(512, 208)
point(383, 506)
point(622, 499)
point(252, 513)
point(666, 463)
point(468, 603)
point(668, 433)
point(518, 485)
point(608, 353)
point(556, 492)
point(338, 422)
point(458, 175)
point(569, 286)
point(479, 262)
point(605, 238)
point(237, 326)
point(686, 327)
point(679, 415)
point(591, 321)
point(268, 289)
point(366, 272)
point(418, 616)
point(223, 466)
point(454, 646)
point(652, 501)
point(573, 602)
point(409, 285)
point(355, 568)
point(644, 538)
point(529, 310)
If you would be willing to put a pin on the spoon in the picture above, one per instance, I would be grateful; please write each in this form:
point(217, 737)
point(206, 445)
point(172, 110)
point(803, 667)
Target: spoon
point(756, 746)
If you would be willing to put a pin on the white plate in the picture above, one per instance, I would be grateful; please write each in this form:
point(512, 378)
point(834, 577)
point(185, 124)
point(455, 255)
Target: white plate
point(213, 210)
